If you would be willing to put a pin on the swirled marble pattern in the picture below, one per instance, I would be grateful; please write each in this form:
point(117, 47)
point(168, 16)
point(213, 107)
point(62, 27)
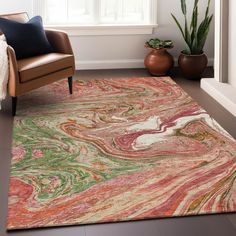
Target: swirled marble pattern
point(117, 150)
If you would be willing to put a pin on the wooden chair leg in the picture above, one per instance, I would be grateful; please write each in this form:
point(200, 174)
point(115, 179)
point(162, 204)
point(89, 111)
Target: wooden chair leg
point(14, 105)
point(70, 83)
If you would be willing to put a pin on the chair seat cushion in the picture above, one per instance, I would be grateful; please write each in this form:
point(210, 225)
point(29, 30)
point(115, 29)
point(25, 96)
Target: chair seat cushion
point(28, 39)
point(38, 66)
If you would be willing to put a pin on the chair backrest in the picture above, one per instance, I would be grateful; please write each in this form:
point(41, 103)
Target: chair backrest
point(20, 17)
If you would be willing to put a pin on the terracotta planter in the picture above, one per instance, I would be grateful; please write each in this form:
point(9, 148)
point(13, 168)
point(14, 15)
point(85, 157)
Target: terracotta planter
point(192, 66)
point(159, 62)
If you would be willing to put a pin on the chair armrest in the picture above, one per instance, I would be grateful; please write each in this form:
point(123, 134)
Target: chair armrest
point(59, 41)
point(13, 82)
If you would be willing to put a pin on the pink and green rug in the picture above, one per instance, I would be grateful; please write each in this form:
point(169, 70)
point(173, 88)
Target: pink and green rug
point(117, 150)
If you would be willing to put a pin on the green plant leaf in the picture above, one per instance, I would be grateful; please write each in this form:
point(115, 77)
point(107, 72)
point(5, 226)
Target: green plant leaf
point(195, 15)
point(202, 28)
point(194, 46)
point(179, 26)
point(187, 33)
point(203, 33)
point(188, 49)
point(158, 43)
point(184, 7)
point(194, 36)
point(194, 24)
point(208, 8)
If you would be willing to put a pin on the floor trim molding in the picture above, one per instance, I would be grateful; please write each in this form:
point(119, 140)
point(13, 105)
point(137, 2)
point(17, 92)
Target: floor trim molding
point(109, 64)
point(117, 64)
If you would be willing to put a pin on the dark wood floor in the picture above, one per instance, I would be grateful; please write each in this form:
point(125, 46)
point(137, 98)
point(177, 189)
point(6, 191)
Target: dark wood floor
point(212, 225)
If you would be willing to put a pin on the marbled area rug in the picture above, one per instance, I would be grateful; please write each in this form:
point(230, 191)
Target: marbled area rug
point(117, 150)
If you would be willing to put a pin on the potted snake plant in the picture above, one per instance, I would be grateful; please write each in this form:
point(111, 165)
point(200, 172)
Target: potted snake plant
point(159, 61)
point(193, 61)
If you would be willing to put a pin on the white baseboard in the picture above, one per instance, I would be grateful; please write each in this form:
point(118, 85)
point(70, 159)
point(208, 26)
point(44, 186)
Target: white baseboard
point(223, 93)
point(118, 64)
point(109, 64)
point(211, 62)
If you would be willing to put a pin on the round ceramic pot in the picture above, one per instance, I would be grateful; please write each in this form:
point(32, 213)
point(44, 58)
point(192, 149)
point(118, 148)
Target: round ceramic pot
point(159, 62)
point(192, 66)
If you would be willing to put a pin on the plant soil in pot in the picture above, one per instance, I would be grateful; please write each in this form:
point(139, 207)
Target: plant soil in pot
point(159, 61)
point(192, 66)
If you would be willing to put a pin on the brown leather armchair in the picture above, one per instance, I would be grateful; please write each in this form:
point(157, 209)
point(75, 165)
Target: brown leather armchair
point(32, 73)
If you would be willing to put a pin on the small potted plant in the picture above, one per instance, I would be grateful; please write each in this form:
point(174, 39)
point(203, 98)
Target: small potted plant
point(193, 61)
point(159, 61)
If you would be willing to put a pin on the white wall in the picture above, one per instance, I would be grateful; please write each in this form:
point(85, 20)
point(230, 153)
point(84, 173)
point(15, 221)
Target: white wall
point(127, 50)
point(232, 40)
point(223, 86)
point(9, 6)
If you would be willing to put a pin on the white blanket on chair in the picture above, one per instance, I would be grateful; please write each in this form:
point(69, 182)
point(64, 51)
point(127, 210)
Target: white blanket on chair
point(4, 70)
